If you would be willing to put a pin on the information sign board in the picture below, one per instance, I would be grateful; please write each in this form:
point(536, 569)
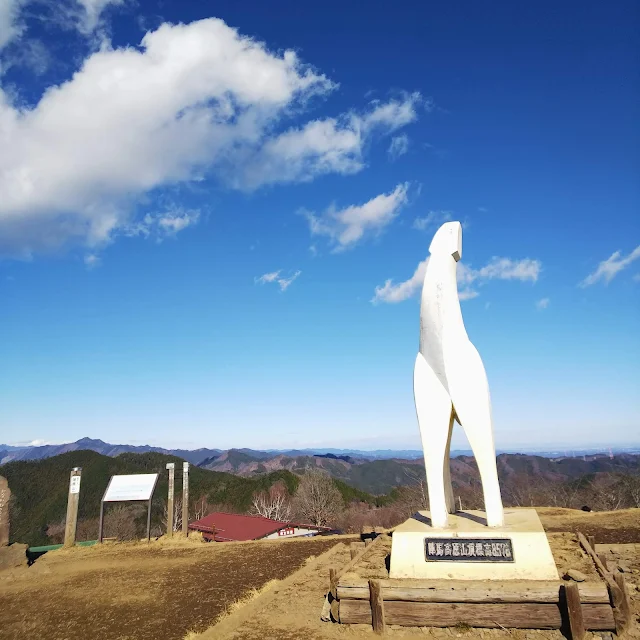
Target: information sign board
point(138, 486)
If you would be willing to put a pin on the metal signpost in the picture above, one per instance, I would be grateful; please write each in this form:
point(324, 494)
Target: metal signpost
point(72, 507)
point(171, 466)
point(134, 488)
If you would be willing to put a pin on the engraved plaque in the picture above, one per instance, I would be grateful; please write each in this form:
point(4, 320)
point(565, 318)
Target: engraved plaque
point(468, 550)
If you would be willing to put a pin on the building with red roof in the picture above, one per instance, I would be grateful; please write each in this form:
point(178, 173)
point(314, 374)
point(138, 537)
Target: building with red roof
point(225, 527)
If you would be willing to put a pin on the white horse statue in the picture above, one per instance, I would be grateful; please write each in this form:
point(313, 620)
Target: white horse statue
point(450, 383)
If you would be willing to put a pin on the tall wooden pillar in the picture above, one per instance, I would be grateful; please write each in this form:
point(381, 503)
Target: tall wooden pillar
point(72, 507)
point(185, 498)
point(172, 472)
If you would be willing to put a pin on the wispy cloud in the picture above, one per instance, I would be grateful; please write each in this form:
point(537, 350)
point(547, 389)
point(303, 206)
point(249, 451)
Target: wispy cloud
point(274, 276)
point(285, 282)
point(346, 227)
point(91, 260)
point(496, 269)
point(431, 220)
point(543, 303)
point(9, 26)
point(163, 224)
point(390, 292)
point(609, 268)
point(399, 146)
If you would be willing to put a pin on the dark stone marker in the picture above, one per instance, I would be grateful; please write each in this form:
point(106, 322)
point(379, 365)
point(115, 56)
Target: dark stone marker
point(468, 550)
point(5, 494)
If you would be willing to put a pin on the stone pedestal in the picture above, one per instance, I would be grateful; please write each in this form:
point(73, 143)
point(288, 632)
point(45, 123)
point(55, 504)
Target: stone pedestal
point(470, 550)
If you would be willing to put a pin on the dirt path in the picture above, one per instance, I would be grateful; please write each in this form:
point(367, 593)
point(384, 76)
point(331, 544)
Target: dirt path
point(608, 527)
point(293, 612)
point(144, 591)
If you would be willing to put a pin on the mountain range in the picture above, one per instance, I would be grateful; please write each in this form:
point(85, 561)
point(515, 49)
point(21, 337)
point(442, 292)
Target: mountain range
point(9, 453)
point(206, 457)
point(357, 469)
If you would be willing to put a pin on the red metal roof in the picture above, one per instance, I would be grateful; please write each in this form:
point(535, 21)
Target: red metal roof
point(223, 527)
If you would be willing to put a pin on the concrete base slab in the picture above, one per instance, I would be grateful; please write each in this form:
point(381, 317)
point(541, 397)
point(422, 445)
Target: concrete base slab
point(470, 550)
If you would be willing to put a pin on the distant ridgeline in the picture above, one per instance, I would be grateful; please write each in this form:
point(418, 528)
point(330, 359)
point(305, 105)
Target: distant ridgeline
point(39, 488)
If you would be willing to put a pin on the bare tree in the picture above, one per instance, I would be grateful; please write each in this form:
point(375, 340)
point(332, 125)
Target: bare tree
point(119, 522)
point(177, 515)
point(274, 503)
point(317, 500)
point(412, 497)
point(55, 532)
point(632, 490)
point(201, 508)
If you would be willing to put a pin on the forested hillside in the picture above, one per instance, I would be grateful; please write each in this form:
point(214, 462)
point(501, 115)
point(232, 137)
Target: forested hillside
point(39, 488)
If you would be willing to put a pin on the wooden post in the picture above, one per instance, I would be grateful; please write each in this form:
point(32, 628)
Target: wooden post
point(622, 604)
point(353, 551)
point(72, 507)
point(149, 521)
point(5, 496)
point(602, 570)
point(185, 499)
point(333, 594)
point(603, 558)
point(377, 606)
point(333, 583)
point(592, 542)
point(171, 466)
point(574, 611)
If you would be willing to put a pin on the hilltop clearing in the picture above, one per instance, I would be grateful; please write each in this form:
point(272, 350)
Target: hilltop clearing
point(144, 591)
point(184, 589)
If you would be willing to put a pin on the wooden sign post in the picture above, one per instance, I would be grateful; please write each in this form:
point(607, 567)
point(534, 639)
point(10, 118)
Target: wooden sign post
point(5, 494)
point(72, 507)
point(171, 466)
point(185, 498)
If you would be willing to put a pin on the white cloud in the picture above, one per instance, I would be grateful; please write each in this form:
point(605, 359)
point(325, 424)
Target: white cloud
point(467, 294)
point(330, 145)
point(495, 269)
point(508, 269)
point(285, 282)
point(390, 292)
point(268, 277)
point(346, 227)
point(543, 303)
point(193, 101)
point(432, 219)
point(93, 10)
point(162, 225)
point(91, 260)
point(610, 267)
point(399, 146)
point(83, 15)
point(9, 27)
point(274, 276)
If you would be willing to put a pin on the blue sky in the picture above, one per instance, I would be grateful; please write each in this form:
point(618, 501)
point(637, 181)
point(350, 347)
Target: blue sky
point(213, 217)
